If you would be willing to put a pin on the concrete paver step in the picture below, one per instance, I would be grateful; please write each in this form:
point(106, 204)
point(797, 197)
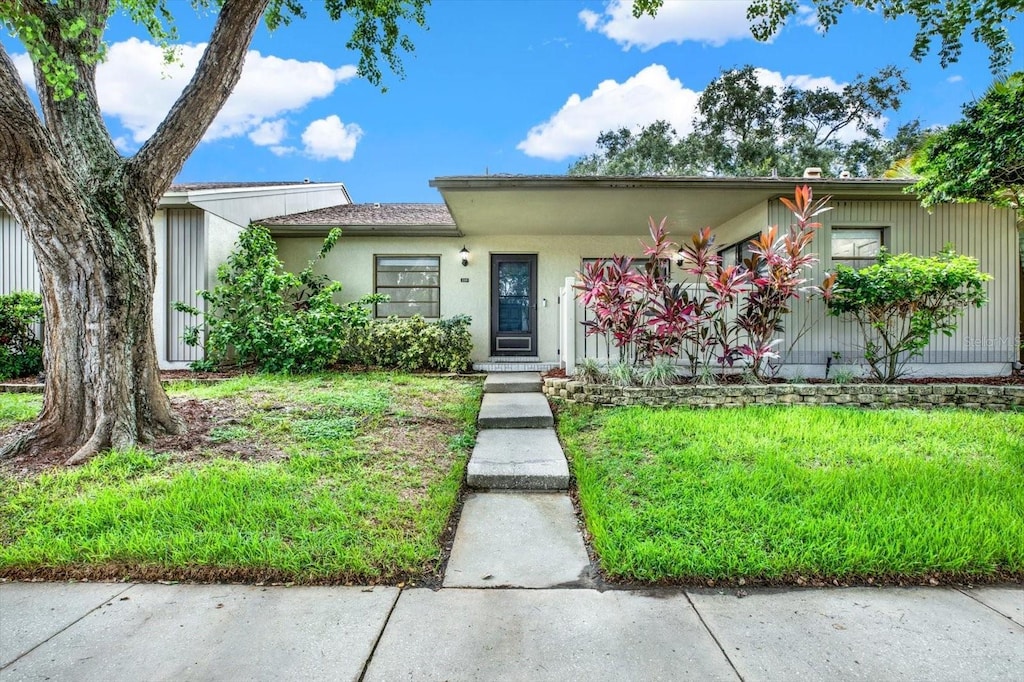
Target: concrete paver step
point(517, 540)
point(514, 411)
point(512, 382)
point(518, 459)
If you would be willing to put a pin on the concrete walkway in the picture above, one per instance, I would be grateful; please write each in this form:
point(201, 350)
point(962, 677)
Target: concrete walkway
point(112, 632)
point(517, 533)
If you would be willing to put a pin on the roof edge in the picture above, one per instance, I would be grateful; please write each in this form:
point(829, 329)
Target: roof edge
point(457, 182)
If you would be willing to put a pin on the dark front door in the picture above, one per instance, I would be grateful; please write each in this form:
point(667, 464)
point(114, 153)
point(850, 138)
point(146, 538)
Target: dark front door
point(513, 304)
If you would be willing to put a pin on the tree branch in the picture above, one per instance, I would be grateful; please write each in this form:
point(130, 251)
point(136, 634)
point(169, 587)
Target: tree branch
point(24, 142)
point(162, 156)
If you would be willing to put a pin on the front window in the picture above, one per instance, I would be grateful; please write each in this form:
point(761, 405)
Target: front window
point(412, 282)
point(738, 252)
point(857, 247)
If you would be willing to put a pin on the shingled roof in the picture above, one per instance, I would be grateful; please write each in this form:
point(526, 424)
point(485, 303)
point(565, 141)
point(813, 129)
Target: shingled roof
point(354, 219)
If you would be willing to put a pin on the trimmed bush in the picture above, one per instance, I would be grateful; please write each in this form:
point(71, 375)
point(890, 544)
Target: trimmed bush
point(21, 353)
point(413, 343)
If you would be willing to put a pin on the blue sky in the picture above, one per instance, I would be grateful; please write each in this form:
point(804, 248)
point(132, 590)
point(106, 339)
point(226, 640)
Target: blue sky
point(497, 86)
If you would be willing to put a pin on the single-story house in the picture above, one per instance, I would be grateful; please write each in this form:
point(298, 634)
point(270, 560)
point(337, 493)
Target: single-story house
point(504, 249)
point(196, 227)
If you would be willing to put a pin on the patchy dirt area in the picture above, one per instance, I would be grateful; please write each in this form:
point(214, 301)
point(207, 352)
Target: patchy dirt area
point(195, 444)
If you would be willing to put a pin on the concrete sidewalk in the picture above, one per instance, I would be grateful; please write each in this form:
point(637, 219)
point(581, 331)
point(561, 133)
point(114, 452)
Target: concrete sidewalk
point(96, 631)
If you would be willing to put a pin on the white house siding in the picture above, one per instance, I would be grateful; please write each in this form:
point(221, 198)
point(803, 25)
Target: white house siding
point(242, 205)
point(986, 335)
point(352, 262)
point(18, 271)
point(186, 274)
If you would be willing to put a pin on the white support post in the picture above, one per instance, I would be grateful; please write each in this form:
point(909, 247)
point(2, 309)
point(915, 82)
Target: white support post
point(569, 327)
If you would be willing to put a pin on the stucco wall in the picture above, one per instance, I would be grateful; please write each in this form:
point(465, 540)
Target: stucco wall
point(351, 262)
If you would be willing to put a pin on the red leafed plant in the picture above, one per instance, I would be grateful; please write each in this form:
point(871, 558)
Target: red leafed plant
point(722, 314)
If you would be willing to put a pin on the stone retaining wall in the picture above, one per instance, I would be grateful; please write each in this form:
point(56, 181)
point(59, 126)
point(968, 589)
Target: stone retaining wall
point(874, 396)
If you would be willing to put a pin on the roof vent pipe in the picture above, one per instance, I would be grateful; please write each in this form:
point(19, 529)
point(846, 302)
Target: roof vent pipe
point(813, 172)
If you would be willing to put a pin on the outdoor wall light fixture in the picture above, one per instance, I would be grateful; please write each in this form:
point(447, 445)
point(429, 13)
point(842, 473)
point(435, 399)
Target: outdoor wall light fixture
point(679, 259)
point(464, 255)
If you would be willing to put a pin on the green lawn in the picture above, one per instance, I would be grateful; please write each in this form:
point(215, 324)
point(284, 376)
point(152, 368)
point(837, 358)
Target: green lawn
point(777, 493)
point(315, 479)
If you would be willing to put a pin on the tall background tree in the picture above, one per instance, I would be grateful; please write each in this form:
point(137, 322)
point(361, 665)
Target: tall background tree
point(87, 210)
point(980, 158)
point(744, 127)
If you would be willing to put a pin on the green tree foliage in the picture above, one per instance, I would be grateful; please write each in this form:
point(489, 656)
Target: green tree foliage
point(944, 20)
point(980, 158)
point(21, 354)
point(744, 128)
point(903, 301)
point(48, 32)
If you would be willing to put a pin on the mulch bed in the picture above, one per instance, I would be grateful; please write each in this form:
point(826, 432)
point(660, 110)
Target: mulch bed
point(1015, 379)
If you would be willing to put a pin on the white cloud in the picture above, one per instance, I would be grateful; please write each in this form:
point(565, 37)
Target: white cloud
point(590, 18)
point(808, 16)
point(269, 133)
point(642, 99)
point(23, 64)
point(137, 88)
point(678, 21)
point(801, 82)
point(330, 138)
point(650, 95)
point(282, 150)
point(955, 79)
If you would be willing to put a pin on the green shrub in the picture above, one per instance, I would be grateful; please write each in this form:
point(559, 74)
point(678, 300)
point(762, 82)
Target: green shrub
point(21, 353)
point(413, 343)
point(261, 315)
point(902, 301)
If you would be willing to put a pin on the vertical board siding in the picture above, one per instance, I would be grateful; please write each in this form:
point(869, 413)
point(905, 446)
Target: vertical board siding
point(186, 274)
point(987, 334)
point(18, 270)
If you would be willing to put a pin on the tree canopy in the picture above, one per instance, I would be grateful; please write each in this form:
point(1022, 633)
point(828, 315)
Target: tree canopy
point(942, 20)
point(981, 157)
point(745, 128)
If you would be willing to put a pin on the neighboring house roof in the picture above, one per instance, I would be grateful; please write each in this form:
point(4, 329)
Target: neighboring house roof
point(367, 219)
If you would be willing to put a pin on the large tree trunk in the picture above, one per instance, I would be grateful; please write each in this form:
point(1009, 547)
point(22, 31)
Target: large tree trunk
point(102, 380)
point(88, 212)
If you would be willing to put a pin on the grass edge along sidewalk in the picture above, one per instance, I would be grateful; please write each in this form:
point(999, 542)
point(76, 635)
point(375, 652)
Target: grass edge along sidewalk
point(795, 495)
point(313, 479)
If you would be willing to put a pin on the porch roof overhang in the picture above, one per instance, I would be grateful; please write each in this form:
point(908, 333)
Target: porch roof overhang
point(568, 205)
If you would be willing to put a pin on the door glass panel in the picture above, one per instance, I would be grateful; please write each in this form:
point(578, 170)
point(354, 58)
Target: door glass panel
point(514, 297)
